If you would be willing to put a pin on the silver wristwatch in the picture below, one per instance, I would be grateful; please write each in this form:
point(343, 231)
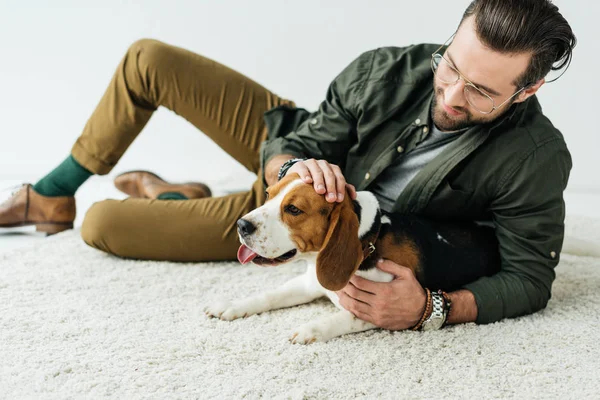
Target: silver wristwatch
point(438, 315)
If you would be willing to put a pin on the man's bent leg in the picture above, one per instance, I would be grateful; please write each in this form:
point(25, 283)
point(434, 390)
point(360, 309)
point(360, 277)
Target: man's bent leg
point(222, 103)
point(190, 230)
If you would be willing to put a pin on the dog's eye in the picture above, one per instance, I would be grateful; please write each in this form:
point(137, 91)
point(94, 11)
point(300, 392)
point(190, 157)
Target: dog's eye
point(266, 194)
point(292, 209)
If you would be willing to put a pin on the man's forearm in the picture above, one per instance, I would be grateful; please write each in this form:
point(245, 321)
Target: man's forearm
point(272, 167)
point(464, 307)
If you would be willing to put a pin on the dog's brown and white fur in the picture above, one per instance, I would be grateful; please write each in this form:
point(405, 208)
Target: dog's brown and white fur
point(340, 239)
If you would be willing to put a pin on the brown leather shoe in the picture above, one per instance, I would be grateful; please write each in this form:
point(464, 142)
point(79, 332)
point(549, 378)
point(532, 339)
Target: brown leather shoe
point(147, 185)
point(48, 214)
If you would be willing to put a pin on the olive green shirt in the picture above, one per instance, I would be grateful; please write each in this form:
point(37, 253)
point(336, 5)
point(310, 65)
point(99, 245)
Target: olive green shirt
point(512, 171)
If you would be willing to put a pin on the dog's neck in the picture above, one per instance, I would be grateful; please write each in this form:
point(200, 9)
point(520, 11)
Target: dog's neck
point(366, 208)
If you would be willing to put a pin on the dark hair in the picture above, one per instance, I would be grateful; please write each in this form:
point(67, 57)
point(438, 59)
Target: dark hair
point(525, 26)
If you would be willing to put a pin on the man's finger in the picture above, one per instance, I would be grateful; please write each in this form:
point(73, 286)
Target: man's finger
point(358, 294)
point(354, 306)
point(301, 169)
point(366, 285)
point(317, 176)
point(330, 181)
point(351, 190)
point(340, 183)
point(391, 267)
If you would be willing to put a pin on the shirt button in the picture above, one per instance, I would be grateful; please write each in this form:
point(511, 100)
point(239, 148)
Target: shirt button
point(425, 130)
point(367, 175)
point(400, 149)
point(314, 121)
point(418, 121)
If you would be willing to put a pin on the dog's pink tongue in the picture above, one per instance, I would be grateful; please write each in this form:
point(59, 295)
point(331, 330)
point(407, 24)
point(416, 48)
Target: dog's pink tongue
point(245, 255)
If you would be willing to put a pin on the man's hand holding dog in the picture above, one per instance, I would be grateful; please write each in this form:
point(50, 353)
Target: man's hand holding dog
point(395, 305)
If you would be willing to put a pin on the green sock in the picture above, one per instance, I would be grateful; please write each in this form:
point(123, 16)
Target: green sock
point(64, 180)
point(171, 196)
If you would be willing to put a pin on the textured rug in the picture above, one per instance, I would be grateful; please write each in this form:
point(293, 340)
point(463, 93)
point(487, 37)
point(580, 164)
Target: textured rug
point(77, 323)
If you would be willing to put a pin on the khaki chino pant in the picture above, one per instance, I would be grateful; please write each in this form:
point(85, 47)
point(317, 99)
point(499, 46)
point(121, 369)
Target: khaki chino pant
point(223, 104)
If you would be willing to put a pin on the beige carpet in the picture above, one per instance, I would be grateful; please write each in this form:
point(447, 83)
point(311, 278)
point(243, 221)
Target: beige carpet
point(76, 323)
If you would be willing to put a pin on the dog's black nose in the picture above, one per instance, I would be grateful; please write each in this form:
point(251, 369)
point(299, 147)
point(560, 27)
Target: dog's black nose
point(245, 227)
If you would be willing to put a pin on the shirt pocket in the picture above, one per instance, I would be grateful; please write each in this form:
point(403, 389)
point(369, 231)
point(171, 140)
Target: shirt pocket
point(451, 202)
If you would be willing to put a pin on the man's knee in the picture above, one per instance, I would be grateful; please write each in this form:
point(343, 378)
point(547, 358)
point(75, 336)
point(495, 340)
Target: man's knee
point(99, 225)
point(149, 53)
point(148, 46)
point(148, 62)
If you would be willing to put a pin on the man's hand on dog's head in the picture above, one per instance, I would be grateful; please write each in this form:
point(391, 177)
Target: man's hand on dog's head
point(325, 177)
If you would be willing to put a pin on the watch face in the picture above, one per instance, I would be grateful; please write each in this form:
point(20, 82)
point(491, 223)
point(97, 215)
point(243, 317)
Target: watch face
point(433, 324)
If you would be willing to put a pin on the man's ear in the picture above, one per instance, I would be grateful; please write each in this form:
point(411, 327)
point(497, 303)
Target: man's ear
point(529, 91)
point(341, 253)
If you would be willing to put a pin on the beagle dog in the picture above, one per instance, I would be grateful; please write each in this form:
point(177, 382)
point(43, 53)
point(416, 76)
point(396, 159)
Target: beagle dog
point(340, 239)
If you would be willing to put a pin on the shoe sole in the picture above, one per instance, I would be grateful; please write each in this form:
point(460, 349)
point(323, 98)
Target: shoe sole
point(50, 228)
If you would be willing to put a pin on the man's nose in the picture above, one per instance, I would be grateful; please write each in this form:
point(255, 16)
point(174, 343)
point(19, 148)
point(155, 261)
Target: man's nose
point(454, 95)
point(245, 227)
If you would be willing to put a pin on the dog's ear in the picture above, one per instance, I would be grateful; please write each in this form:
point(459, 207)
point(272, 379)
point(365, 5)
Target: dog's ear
point(341, 253)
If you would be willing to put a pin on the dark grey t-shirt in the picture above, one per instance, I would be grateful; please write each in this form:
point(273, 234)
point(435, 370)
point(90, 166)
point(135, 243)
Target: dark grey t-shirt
point(392, 181)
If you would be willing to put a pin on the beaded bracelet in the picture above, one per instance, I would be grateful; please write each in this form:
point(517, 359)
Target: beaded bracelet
point(447, 305)
point(426, 312)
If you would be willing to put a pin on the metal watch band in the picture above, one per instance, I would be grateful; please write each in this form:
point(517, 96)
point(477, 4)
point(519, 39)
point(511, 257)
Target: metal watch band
point(438, 314)
point(286, 166)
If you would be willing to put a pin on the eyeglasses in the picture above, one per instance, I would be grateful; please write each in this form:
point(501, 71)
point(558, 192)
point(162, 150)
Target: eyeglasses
point(479, 100)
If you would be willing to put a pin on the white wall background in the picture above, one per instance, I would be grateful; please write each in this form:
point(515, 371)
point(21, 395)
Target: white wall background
point(56, 58)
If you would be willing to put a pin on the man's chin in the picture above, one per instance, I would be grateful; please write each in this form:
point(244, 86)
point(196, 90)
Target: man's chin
point(446, 123)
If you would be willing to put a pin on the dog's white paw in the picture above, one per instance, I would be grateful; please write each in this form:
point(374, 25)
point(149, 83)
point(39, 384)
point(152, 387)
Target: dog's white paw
point(225, 311)
point(308, 333)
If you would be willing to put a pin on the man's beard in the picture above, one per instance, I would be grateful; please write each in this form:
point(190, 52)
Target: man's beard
point(446, 123)
point(443, 121)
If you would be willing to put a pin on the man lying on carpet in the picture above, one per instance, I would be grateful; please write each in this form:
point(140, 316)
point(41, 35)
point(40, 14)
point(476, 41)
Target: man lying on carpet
point(446, 132)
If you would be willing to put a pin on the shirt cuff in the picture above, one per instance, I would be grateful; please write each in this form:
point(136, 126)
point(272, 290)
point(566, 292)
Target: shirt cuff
point(490, 305)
